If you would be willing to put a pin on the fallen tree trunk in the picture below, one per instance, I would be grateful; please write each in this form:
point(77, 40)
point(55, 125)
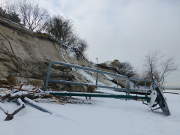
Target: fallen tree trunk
point(11, 116)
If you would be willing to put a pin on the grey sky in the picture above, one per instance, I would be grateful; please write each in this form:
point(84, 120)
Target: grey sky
point(125, 29)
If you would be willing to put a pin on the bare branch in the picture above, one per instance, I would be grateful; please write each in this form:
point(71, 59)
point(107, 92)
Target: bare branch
point(32, 16)
point(158, 68)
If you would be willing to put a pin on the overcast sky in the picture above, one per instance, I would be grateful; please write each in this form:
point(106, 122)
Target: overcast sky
point(126, 30)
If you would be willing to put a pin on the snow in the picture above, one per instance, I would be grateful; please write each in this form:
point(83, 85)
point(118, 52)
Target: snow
point(27, 87)
point(103, 116)
point(111, 78)
point(33, 103)
point(19, 93)
point(87, 76)
point(93, 80)
point(20, 102)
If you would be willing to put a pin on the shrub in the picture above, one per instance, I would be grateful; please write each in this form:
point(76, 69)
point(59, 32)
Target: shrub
point(3, 82)
point(11, 15)
point(79, 48)
point(123, 68)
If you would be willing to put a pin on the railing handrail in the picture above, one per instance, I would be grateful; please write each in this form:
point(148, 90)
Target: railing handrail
point(100, 71)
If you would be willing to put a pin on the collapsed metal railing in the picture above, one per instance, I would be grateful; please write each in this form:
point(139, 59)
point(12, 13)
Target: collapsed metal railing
point(153, 96)
point(129, 90)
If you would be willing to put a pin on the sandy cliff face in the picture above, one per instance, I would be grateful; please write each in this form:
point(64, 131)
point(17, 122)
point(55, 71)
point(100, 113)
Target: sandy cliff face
point(19, 48)
point(22, 51)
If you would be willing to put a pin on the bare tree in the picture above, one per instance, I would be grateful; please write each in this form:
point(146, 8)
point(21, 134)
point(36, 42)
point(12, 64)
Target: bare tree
point(32, 16)
point(168, 66)
point(60, 29)
point(158, 68)
point(151, 67)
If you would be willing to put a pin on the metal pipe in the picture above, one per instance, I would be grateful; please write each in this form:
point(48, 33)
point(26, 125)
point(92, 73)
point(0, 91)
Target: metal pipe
point(97, 71)
point(100, 95)
point(100, 86)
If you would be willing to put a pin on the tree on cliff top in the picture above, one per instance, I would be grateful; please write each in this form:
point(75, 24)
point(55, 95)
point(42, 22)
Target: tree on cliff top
point(32, 16)
point(61, 30)
point(11, 15)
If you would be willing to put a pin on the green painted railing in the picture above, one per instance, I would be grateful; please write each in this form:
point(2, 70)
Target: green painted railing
point(100, 95)
point(127, 90)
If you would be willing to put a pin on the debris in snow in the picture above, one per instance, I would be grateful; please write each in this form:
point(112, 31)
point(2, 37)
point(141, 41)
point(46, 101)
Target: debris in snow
point(35, 105)
point(28, 95)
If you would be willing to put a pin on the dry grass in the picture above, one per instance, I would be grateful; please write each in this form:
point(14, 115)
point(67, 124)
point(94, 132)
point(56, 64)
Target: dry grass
point(11, 80)
point(35, 83)
point(91, 89)
point(3, 82)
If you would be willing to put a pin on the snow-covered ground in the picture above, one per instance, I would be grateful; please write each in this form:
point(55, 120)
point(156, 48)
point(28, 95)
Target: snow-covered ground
point(102, 117)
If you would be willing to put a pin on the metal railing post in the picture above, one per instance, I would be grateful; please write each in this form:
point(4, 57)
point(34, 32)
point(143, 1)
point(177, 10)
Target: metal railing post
point(48, 76)
point(97, 79)
point(97, 73)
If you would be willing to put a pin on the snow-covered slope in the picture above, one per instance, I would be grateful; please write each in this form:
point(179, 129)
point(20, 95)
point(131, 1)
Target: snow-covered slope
point(103, 116)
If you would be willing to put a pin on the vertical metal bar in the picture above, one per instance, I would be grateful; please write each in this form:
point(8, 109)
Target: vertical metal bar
point(97, 79)
point(97, 73)
point(117, 82)
point(48, 76)
point(146, 88)
point(128, 84)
